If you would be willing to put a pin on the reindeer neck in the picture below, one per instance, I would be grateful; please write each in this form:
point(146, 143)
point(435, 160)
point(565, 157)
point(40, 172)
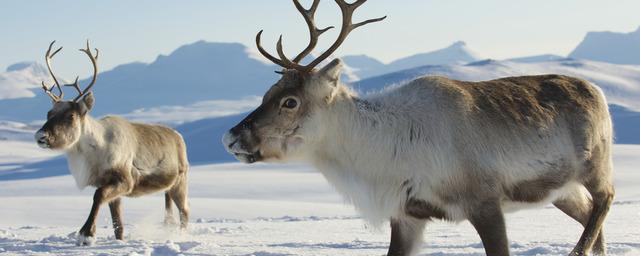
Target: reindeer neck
point(92, 136)
point(350, 123)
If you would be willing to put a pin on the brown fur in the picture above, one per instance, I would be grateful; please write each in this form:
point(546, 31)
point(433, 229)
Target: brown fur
point(116, 218)
point(422, 210)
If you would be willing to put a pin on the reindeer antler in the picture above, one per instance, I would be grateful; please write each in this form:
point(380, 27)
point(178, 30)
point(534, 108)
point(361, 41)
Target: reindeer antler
point(347, 10)
point(94, 62)
point(314, 32)
point(81, 93)
point(49, 90)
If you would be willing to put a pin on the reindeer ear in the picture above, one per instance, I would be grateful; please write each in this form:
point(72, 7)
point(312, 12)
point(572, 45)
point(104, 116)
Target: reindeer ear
point(332, 71)
point(327, 80)
point(87, 102)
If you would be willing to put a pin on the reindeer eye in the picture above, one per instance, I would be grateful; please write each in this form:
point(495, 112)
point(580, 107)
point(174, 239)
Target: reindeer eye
point(290, 103)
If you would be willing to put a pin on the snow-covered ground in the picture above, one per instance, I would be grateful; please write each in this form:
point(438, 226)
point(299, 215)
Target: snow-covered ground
point(269, 210)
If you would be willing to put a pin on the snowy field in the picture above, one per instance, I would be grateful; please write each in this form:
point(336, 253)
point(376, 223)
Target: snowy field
point(268, 210)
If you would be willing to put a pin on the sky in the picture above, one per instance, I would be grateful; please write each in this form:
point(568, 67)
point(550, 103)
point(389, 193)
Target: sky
point(129, 31)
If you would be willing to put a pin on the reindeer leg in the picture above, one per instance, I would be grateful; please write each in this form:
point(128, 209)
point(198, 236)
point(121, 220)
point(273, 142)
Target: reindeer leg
point(88, 230)
point(578, 206)
point(169, 219)
point(102, 194)
point(179, 195)
point(602, 193)
point(406, 236)
point(116, 218)
point(488, 220)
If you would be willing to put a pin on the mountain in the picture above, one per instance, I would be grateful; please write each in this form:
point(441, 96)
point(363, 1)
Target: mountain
point(204, 138)
point(625, 125)
point(20, 78)
point(362, 65)
point(537, 58)
point(457, 53)
point(612, 47)
point(201, 71)
point(195, 72)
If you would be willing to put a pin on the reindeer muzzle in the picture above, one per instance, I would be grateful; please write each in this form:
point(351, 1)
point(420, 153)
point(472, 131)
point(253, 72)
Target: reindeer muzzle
point(42, 138)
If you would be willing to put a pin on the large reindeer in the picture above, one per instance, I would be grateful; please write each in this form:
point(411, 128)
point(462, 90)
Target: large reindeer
point(437, 148)
point(118, 157)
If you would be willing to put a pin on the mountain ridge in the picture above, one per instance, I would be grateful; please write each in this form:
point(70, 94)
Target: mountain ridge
point(612, 47)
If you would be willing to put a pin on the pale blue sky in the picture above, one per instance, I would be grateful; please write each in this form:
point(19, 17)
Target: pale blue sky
point(128, 31)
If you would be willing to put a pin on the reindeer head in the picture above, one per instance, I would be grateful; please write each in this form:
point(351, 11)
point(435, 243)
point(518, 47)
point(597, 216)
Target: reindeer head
point(287, 119)
point(66, 118)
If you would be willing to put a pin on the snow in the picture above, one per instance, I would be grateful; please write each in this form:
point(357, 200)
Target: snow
point(267, 209)
point(16, 131)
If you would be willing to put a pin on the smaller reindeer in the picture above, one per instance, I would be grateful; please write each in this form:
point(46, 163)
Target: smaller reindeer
point(118, 157)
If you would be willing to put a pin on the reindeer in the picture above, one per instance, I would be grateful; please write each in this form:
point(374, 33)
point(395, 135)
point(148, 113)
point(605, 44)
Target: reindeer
point(437, 148)
point(118, 157)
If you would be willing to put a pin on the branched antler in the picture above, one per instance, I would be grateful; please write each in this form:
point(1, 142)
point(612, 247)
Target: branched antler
point(49, 90)
point(347, 10)
point(81, 93)
point(94, 62)
point(314, 32)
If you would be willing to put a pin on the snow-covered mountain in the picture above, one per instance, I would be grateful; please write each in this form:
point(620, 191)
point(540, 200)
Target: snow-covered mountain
point(204, 138)
point(362, 65)
point(457, 53)
point(192, 74)
point(196, 72)
point(20, 78)
point(201, 71)
point(537, 58)
point(612, 47)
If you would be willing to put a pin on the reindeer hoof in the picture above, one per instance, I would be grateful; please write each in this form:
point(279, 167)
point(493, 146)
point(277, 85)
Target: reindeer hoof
point(576, 253)
point(85, 240)
point(170, 223)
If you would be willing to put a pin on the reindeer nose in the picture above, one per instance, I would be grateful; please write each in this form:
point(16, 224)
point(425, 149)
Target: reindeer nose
point(42, 138)
point(228, 140)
